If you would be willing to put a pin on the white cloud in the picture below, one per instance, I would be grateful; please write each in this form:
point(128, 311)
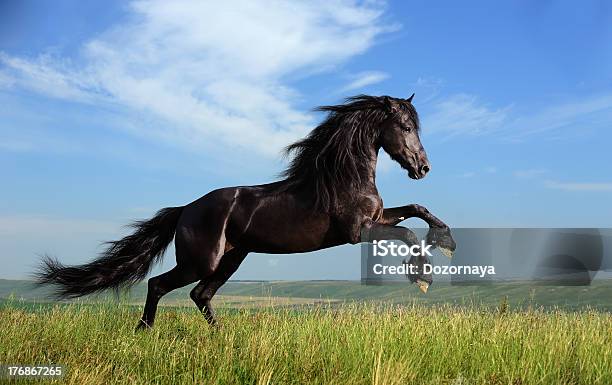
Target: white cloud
point(364, 79)
point(210, 71)
point(573, 186)
point(46, 75)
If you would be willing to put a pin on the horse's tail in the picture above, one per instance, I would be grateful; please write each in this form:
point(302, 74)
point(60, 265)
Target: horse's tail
point(122, 264)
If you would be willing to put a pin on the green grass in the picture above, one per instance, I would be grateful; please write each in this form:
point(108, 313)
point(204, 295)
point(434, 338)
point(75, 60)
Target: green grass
point(356, 343)
point(520, 294)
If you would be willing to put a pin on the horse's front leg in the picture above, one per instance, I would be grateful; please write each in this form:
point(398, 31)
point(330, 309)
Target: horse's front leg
point(371, 231)
point(439, 234)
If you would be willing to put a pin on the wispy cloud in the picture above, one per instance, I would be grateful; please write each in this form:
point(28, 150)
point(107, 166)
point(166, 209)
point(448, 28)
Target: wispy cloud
point(529, 173)
point(487, 171)
point(273, 262)
point(574, 186)
point(15, 145)
point(463, 114)
point(593, 111)
point(364, 79)
point(24, 226)
point(426, 89)
point(212, 71)
point(468, 174)
point(48, 75)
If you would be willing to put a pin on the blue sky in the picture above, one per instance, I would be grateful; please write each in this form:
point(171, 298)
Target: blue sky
point(111, 110)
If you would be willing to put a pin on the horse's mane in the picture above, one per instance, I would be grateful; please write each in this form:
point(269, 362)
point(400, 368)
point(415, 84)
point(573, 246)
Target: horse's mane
point(334, 157)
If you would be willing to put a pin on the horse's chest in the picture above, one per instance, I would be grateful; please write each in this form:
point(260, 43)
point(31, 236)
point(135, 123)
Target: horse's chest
point(371, 206)
point(360, 210)
point(378, 213)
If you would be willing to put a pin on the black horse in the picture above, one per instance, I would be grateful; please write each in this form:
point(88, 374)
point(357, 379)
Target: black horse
point(327, 198)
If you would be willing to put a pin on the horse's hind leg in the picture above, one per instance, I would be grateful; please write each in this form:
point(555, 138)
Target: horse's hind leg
point(160, 285)
point(204, 291)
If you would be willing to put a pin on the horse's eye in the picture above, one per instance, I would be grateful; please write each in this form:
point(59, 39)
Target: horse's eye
point(407, 128)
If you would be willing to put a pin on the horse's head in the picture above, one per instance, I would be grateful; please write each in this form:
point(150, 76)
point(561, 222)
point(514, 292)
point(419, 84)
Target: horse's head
point(399, 136)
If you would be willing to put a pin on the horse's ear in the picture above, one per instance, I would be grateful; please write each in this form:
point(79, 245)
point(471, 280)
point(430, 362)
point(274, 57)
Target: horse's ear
point(410, 98)
point(390, 105)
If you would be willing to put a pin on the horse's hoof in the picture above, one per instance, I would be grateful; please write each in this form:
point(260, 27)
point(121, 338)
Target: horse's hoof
point(448, 252)
point(423, 286)
point(142, 326)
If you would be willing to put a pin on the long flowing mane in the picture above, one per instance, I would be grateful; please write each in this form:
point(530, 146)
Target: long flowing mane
point(334, 157)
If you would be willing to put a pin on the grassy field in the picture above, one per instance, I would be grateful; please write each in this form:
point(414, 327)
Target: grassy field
point(348, 344)
point(321, 332)
point(520, 295)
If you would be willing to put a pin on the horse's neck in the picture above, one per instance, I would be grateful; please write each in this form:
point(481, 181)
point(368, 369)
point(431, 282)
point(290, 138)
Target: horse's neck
point(370, 170)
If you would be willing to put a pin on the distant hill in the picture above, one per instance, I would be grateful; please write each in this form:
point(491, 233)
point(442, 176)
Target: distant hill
point(598, 295)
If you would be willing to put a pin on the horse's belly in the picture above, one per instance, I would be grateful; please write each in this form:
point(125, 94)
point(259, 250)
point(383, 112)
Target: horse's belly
point(278, 231)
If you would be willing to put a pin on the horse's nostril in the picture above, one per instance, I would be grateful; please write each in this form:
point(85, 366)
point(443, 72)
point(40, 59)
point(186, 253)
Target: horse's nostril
point(424, 169)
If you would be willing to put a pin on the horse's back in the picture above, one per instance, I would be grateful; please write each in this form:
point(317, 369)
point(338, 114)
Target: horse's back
point(259, 218)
